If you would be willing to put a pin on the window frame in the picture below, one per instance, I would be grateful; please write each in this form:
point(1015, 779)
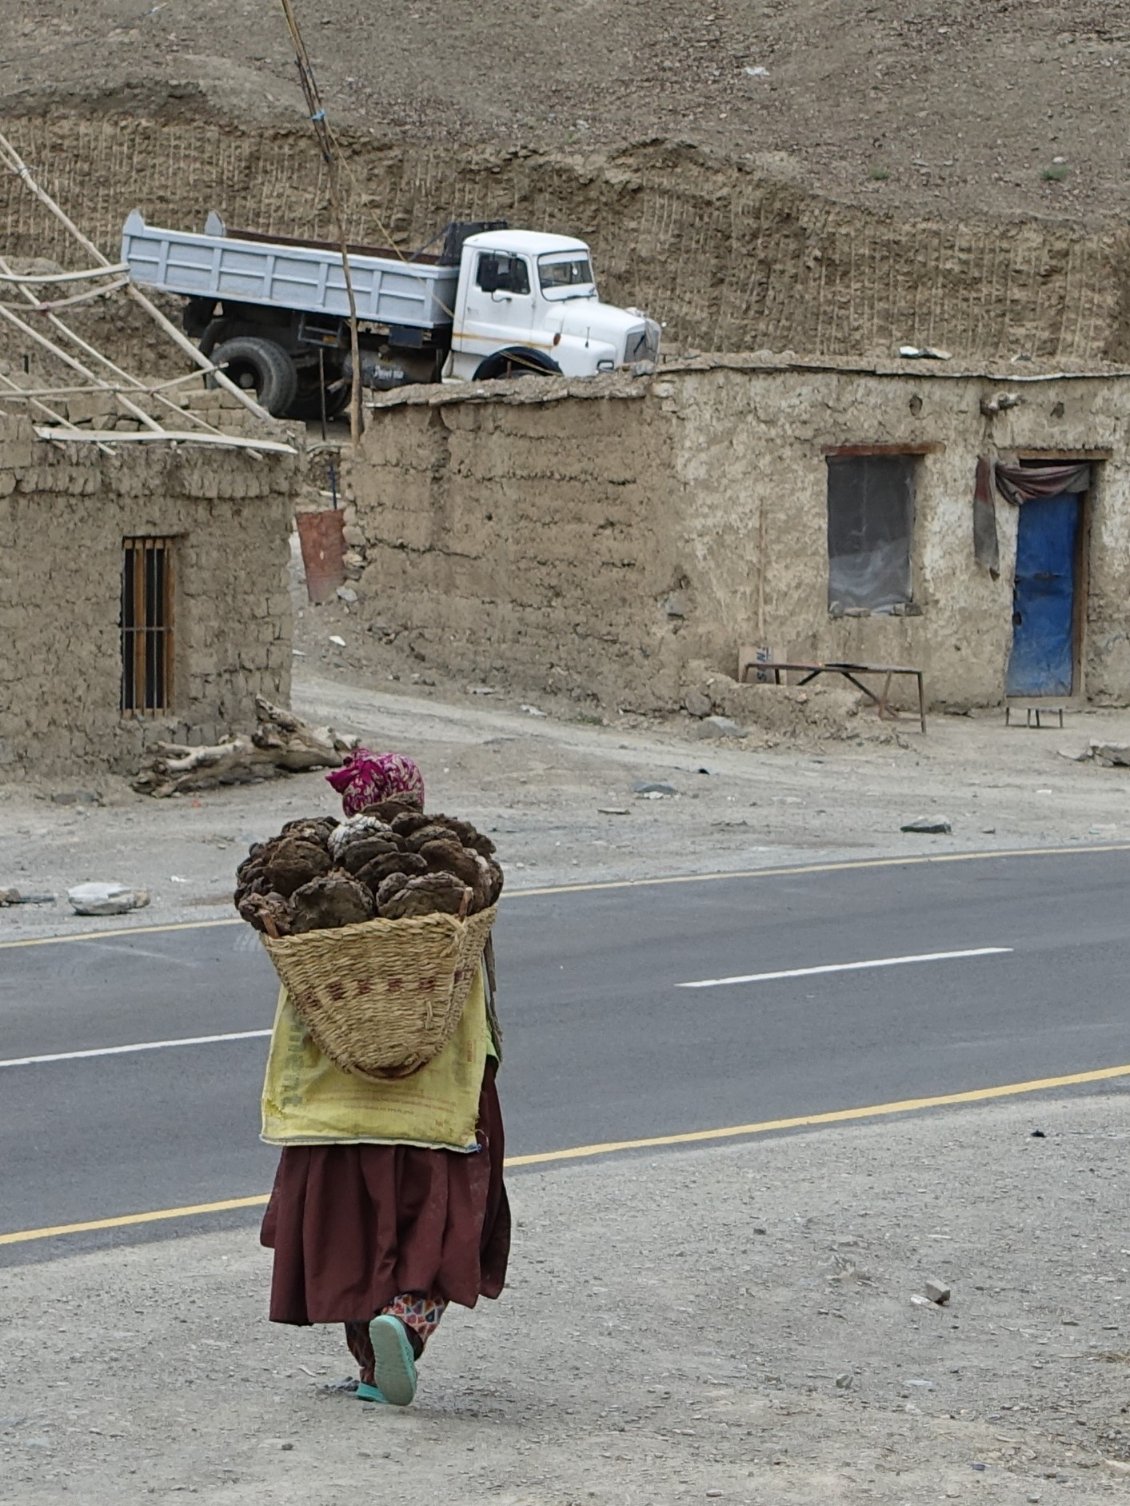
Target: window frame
point(147, 626)
point(557, 292)
point(860, 454)
point(515, 258)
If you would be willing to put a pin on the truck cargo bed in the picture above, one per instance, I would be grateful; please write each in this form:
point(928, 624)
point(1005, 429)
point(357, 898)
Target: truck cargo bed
point(283, 275)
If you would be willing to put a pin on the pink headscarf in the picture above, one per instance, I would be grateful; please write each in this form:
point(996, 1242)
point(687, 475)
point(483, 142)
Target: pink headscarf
point(367, 778)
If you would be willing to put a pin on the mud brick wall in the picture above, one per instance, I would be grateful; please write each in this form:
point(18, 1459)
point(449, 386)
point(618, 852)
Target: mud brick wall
point(64, 512)
point(602, 538)
point(727, 257)
point(522, 539)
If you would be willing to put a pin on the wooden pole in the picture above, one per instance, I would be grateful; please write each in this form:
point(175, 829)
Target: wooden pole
point(12, 159)
point(762, 531)
point(132, 383)
point(39, 307)
point(61, 355)
point(102, 437)
point(326, 144)
point(89, 387)
point(32, 400)
point(53, 277)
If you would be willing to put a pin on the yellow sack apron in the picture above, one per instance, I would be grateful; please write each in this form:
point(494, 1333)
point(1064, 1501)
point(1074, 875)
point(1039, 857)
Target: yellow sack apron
point(309, 1101)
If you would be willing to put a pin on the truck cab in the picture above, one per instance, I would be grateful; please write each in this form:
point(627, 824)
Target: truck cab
point(528, 303)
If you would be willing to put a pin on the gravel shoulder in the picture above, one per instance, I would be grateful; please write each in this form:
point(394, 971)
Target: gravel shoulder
point(755, 1342)
point(557, 794)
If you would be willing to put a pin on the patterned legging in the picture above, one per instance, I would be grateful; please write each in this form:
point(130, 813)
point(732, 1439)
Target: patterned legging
point(419, 1314)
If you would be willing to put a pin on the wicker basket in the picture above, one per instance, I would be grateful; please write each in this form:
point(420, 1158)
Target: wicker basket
point(384, 997)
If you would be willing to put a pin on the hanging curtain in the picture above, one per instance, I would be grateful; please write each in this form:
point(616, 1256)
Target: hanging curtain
point(1023, 483)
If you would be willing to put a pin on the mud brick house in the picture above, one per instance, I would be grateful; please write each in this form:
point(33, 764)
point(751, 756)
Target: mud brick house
point(143, 596)
point(609, 536)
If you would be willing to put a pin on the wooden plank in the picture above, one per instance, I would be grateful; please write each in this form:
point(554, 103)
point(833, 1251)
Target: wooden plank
point(856, 451)
point(1064, 456)
point(164, 436)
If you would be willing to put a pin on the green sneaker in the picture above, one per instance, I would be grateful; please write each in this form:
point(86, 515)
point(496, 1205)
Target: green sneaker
point(395, 1365)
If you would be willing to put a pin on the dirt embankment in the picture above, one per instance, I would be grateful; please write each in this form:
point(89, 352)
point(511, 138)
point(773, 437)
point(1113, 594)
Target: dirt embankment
point(928, 109)
point(729, 255)
point(818, 177)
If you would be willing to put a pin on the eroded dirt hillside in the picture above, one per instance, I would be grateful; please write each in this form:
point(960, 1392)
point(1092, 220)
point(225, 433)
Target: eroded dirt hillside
point(829, 176)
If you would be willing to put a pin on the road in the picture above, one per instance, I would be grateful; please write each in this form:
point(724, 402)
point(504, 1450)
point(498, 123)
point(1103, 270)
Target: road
point(1024, 957)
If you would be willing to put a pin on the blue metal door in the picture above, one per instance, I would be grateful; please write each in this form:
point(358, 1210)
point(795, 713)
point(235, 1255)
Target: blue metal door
point(1042, 661)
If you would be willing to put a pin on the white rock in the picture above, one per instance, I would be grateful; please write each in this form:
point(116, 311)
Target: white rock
point(937, 825)
point(719, 726)
point(106, 899)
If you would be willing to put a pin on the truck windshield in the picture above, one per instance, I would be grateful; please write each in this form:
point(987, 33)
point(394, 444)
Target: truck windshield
point(565, 273)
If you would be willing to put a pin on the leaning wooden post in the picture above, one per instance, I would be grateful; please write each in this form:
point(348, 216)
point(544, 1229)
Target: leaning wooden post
point(326, 143)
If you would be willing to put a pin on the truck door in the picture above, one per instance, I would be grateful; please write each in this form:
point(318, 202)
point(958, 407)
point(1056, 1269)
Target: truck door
point(499, 307)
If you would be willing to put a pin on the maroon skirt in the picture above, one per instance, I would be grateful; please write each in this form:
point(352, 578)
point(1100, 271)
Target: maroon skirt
point(353, 1226)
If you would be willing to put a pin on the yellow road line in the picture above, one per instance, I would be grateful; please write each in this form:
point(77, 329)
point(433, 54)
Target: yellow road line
point(127, 1220)
point(112, 932)
point(616, 1147)
point(849, 865)
point(835, 1116)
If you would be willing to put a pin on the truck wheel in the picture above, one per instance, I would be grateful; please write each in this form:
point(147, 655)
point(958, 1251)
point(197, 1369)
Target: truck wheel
point(259, 366)
point(307, 404)
point(215, 331)
point(505, 364)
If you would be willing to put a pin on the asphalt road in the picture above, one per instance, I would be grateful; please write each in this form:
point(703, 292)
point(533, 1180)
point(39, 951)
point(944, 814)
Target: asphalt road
point(602, 1041)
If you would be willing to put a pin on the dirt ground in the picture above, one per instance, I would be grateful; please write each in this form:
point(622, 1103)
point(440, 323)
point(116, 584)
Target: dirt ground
point(757, 1345)
point(554, 782)
point(557, 791)
point(926, 107)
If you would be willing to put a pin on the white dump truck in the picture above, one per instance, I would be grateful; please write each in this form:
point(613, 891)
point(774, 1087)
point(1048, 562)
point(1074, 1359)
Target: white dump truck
point(492, 303)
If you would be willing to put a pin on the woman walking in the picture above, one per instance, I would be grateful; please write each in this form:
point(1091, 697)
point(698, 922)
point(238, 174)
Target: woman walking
point(403, 1211)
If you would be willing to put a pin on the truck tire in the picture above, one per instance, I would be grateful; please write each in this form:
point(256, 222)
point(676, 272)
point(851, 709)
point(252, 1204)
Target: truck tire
point(518, 362)
point(307, 404)
point(259, 366)
point(215, 331)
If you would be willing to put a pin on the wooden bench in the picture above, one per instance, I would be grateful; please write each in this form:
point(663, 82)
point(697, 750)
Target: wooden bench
point(748, 660)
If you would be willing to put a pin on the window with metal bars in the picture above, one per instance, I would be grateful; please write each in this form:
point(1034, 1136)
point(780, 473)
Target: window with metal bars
point(147, 626)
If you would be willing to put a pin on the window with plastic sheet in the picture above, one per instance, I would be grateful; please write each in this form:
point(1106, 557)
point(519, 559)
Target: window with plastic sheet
point(870, 531)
